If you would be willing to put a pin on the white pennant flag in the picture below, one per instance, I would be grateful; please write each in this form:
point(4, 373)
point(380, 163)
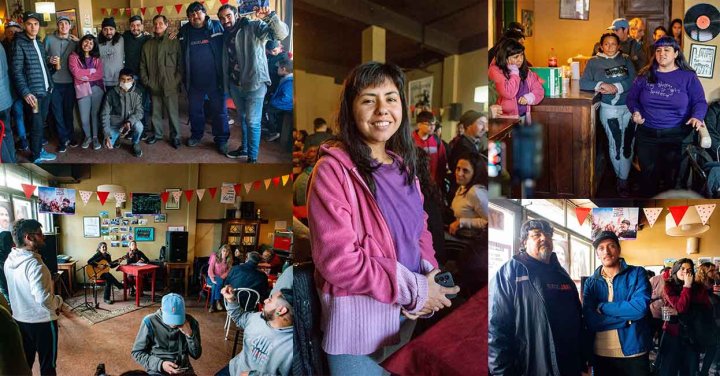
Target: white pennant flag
point(120, 196)
point(85, 196)
point(248, 187)
point(200, 193)
point(652, 215)
point(176, 195)
point(705, 211)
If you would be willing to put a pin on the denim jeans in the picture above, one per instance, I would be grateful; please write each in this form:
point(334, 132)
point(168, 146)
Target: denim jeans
point(218, 109)
point(18, 114)
point(38, 125)
point(136, 130)
point(62, 102)
point(249, 108)
point(215, 287)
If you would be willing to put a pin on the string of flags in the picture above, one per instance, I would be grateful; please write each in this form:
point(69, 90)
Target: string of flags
point(704, 211)
point(209, 5)
point(228, 191)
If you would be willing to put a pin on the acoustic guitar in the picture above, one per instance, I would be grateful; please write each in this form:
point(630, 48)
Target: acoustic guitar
point(102, 267)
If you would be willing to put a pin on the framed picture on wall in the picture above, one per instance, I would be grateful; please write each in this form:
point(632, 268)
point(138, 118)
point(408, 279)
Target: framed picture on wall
point(144, 234)
point(702, 59)
point(171, 203)
point(575, 9)
point(22, 208)
point(91, 227)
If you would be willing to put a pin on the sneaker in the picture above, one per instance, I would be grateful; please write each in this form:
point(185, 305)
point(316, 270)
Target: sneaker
point(62, 148)
point(45, 156)
point(145, 136)
point(72, 143)
point(24, 146)
point(108, 301)
point(96, 144)
point(136, 150)
point(86, 143)
point(152, 140)
point(176, 143)
point(237, 154)
point(252, 161)
point(272, 137)
point(223, 148)
point(212, 308)
point(192, 142)
point(231, 121)
point(44, 142)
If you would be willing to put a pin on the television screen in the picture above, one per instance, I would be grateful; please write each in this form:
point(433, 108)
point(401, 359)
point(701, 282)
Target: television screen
point(146, 203)
point(56, 200)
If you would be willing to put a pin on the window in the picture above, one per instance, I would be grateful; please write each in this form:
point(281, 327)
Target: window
point(552, 210)
point(16, 176)
point(581, 255)
point(502, 234)
point(573, 224)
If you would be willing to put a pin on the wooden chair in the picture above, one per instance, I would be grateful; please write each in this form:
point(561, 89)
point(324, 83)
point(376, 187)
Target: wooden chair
point(251, 299)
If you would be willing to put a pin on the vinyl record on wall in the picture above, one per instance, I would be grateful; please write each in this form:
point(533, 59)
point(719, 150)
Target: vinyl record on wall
point(702, 22)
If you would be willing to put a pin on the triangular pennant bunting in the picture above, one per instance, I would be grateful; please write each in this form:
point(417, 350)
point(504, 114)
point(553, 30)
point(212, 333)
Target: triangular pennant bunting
point(127, 11)
point(85, 196)
point(581, 214)
point(121, 11)
point(143, 10)
point(248, 187)
point(257, 184)
point(678, 212)
point(135, 10)
point(705, 211)
point(178, 8)
point(267, 183)
point(213, 192)
point(200, 193)
point(276, 181)
point(285, 179)
point(103, 11)
point(102, 196)
point(28, 189)
point(189, 194)
point(223, 2)
point(210, 5)
point(159, 9)
point(164, 197)
point(652, 215)
point(119, 196)
point(237, 188)
point(176, 196)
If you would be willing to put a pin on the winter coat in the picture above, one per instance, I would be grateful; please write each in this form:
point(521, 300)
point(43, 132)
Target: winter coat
point(161, 66)
point(26, 69)
point(282, 99)
point(6, 99)
point(133, 50)
point(120, 106)
point(156, 342)
point(214, 32)
point(507, 89)
point(30, 287)
point(82, 76)
point(248, 276)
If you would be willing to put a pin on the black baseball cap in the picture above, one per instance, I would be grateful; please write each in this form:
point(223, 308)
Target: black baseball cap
point(28, 15)
point(604, 236)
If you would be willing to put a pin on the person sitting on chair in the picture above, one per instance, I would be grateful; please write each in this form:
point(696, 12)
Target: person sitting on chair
point(133, 256)
point(248, 276)
point(269, 256)
point(102, 254)
point(268, 335)
point(218, 269)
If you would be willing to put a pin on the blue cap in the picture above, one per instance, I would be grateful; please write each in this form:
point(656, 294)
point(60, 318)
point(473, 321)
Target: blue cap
point(173, 309)
point(619, 23)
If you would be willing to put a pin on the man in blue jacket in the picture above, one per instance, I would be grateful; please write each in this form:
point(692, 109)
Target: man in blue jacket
point(535, 323)
point(616, 302)
point(202, 53)
point(281, 102)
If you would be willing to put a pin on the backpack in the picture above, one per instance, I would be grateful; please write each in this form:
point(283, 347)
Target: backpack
point(308, 355)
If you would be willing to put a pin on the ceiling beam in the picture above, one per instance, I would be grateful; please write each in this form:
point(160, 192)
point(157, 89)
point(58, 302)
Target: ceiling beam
point(370, 13)
point(474, 42)
point(337, 71)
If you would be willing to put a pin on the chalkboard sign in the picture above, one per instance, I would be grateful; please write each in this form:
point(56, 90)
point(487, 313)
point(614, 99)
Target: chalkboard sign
point(702, 59)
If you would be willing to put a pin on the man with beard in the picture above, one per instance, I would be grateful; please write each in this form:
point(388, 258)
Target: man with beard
point(134, 40)
point(616, 303)
point(625, 231)
point(535, 321)
point(268, 335)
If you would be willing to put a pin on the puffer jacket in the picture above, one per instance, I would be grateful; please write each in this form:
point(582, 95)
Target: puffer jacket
point(161, 66)
point(520, 339)
point(250, 44)
point(282, 99)
point(6, 99)
point(214, 32)
point(26, 69)
point(156, 342)
point(120, 106)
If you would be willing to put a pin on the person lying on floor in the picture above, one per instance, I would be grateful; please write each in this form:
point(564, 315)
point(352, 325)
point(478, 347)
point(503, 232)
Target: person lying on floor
point(268, 337)
point(167, 338)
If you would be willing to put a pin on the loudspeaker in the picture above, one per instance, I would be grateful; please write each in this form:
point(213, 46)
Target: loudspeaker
point(247, 210)
point(176, 243)
point(48, 253)
point(455, 111)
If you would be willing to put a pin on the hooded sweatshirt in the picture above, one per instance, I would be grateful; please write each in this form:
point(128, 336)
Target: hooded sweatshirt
point(266, 350)
point(31, 288)
point(156, 342)
point(617, 70)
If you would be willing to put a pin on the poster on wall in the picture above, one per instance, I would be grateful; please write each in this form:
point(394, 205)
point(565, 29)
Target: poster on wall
point(56, 200)
point(622, 221)
point(702, 59)
point(22, 208)
point(227, 194)
point(528, 21)
point(6, 216)
point(420, 95)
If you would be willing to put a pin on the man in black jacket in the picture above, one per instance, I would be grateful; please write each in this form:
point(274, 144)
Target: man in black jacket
point(535, 321)
point(248, 276)
point(32, 72)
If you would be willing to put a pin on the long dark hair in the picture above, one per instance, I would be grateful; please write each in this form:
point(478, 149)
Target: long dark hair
point(401, 143)
point(94, 53)
point(648, 71)
point(507, 48)
point(479, 170)
point(673, 22)
point(674, 283)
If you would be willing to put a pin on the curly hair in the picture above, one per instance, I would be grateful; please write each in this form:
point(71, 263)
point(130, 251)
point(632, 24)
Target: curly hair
point(703, 273)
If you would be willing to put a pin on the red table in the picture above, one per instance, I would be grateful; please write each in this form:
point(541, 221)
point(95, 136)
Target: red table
point(456, 345)
point(138, 271)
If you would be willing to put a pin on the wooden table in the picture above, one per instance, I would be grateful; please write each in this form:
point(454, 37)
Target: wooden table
point(69, 267)
point(500, 128)
point(138, 271)
point(177, 265)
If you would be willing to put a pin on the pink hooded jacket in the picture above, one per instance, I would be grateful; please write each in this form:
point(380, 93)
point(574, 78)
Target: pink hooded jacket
point(507, 88)
point(362, 285)
point(82, 77)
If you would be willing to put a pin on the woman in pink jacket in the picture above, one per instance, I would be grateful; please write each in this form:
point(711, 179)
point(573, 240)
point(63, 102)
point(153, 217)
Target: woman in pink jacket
point(87, 70)
point(517, 86)
point(373, 254)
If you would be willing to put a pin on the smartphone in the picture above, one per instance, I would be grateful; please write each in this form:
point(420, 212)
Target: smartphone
point(445, 279)
point(250, 6)
point(182, 369)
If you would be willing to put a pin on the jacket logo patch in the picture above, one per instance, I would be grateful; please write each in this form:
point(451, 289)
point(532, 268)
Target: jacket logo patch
point(523, 278)
point(619, 71)
point(560, 286)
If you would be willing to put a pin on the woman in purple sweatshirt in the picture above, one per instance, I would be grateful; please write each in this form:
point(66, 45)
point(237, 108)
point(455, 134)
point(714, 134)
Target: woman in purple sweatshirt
point(666, 101)
point(373, 254)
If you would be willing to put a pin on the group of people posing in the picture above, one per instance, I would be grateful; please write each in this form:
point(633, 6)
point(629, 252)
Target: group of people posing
point(124, 84)
point(651, 99)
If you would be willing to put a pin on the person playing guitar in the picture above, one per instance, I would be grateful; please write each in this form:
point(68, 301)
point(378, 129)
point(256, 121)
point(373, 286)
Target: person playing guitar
point(133, 256)
point(101, 264)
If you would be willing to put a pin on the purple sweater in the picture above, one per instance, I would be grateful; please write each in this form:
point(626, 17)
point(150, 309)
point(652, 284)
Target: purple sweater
point(362, 285)
point(676, 97)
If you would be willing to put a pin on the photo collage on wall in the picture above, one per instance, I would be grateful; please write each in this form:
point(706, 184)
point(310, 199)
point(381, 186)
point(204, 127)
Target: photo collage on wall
point(120, 231)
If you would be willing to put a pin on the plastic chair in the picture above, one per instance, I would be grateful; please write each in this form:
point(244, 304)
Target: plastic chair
point(252, 298)
point(205, 287)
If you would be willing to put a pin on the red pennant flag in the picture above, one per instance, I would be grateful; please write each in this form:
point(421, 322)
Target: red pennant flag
point(581, 214)
point(236, 187)
point(102, 196)
point(28, 189)
point(257, 185)
point(142, 10)
point(189, 194)
point(103, 11)
point(128, 11)
point(164, 196)
point(129, 197)
point(159, 9)
point(276, 181)
point(213, 191)
point(678, 212)
point(178, 8)
point(223, 2)
point(115, 11)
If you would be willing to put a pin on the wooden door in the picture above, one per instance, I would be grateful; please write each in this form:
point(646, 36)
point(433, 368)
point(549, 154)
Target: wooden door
point(654, 12)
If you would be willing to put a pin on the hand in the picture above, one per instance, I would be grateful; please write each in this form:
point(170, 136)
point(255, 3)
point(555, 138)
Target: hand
point(246, 373)
point(688, 279)
point(495, 110)
point(74, 38)
point(606, 88)
point(186, 329)
point(227, 293)
point(125, 128)
point(436, 299)
point(172, 35)
point(262, 12)
point(696, 123)
point(170, 368)
point(54, 59)
point(522, 101)
point(31, 100)
point(454, 227)
point(637, 118)
point(108, 144)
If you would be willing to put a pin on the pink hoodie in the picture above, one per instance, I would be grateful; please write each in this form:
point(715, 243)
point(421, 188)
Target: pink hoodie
point(82, 76)
point(507, 89)
point(362, 285)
